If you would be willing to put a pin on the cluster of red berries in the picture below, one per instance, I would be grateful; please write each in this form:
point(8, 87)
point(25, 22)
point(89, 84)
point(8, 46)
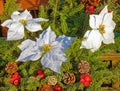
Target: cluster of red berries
point(90, 9)
point(15, 78)
point(85, 79)
point(57, 88)
point(40, 73)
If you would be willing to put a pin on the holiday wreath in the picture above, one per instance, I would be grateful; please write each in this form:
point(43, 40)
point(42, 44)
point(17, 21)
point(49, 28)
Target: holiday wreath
point(60, 49)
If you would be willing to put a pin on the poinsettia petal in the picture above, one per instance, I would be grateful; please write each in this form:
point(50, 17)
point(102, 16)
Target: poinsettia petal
point(54, 66)
point(29, 54)
point(30, 51)
point(47, 37)
point(26, 15)
point(33, 24)
point(7, 23)
point(95, 21)
point(104, 11)
point(15, 32)
point(27, 43)
point(53, 59)
point(92, 40)
point(39, 19)
point(108, 22)
point(108, 36)
point(33, 27)
point(65, 41)
point(16, 16)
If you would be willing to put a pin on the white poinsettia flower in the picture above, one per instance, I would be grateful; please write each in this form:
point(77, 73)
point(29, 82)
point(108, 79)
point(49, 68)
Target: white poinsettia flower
point(20, 20)
point(47, 47)
point(102, 30)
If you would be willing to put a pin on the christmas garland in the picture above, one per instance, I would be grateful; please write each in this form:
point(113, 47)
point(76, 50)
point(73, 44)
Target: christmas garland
point(53, 55)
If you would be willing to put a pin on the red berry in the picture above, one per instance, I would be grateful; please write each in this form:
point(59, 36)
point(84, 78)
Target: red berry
point(87, 9)
point(35, 75)
point(82, 81)
point(40, 71)
point(12, 80)
point(82, 76)
point(16, 73)
point(57, 88)
point(42, 76)
point(87, 84)
point(88, 79)
point(87, 75)
point(11, 76)
point(16, 82)
point(16, 76)
point(91, 9)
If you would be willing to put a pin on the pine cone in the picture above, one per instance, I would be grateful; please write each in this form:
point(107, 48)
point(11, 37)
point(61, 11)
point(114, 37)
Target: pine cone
point(69, 78)
point(94, 2)
point(83, 2)
point(52, 80)
point(83, 67)
point(46, 87)
point(11, 67)
point(90, 2)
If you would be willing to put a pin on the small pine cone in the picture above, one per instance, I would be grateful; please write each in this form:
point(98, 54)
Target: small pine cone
point(46, 87)
point(94, 2)
point(69, 78)
point(83, 2)
point(83, 67)
point(52, 80)
point(11, 67)
point(116, 1)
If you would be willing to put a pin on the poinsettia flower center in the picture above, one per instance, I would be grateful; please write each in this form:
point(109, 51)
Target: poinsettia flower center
point(102, 28)
point(46, 47)
point(23, 21)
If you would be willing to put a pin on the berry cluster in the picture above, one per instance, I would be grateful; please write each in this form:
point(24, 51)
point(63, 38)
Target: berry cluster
point(57, 88)
point(90, 9)
point(85, 79)
point(15, 78)
point(40, 73)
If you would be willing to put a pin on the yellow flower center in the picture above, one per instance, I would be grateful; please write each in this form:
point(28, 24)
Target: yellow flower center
point(46, 47)
point(23, 21)
point(102, 28)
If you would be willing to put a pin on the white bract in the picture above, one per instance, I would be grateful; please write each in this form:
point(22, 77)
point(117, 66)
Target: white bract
point(102, 30)
point(18, 21)
point(47, 47)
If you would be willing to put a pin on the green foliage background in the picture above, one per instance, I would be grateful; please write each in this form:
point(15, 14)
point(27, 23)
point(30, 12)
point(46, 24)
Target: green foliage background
point(66, 17)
